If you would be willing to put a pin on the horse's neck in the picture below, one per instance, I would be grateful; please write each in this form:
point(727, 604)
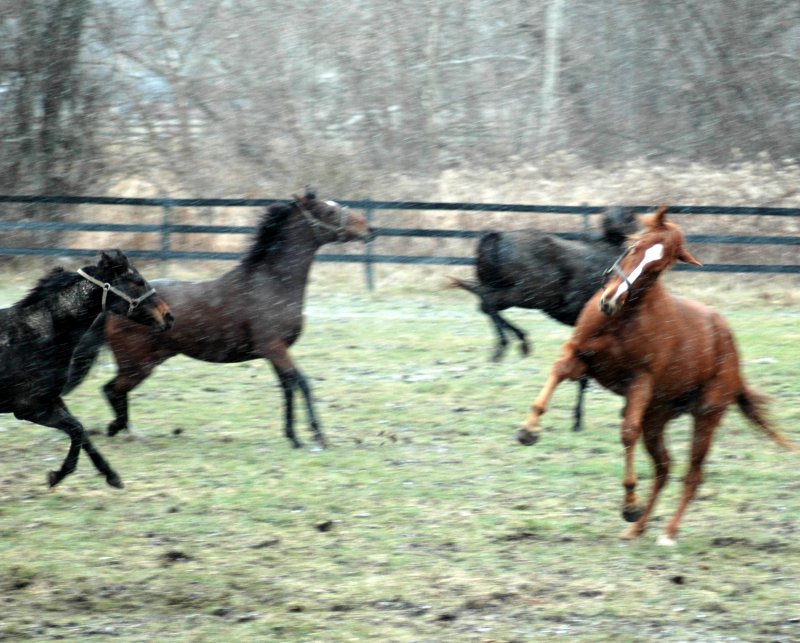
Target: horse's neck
point(593, 324)
point(290, 264)
point(74, 308)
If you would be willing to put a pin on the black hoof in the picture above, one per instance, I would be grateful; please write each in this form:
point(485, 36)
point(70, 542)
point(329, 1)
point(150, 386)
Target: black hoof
point(114, 428)
point(114, 480)
point(53, 478)
point(527, 438)
point(632, 514)
point(296, 444)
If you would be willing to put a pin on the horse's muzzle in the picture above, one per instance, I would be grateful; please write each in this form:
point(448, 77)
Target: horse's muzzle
point(606, 307)
point(166, 322)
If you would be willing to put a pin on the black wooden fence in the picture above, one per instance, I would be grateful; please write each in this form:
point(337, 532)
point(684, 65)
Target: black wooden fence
point(166, 228)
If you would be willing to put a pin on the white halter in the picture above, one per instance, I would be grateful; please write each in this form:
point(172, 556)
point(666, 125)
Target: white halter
point(133, 302)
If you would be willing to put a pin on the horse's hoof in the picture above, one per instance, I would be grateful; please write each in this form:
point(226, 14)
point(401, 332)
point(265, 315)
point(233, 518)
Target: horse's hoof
point(632, 514)
point(114, 428)
point(631, 533)
point(53, 478)
point(527, 438)
point(665, 541)
point(114, 480)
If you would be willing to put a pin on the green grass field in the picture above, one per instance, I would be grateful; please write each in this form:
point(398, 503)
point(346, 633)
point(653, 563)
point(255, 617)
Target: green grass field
point(425, 520)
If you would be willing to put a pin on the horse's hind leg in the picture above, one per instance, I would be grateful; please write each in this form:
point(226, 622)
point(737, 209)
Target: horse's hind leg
point(577, 425)
point(502, 340)
point(58, 417)
point(501, 325)
point(704, 426)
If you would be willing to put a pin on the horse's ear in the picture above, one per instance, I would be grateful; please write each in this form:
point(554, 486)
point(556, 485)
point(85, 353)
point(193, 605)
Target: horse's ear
point(307, 198)
point(311, 193)
point(660, 216)
point(113, 260)
point(656, 220)
point(685, 256)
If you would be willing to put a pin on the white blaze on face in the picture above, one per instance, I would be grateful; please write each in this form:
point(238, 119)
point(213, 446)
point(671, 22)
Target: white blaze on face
point(333, 204)
point(653, 253)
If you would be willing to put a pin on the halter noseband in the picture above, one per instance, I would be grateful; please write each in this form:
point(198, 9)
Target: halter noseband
point(616, 268)
point(133, 302)
point(316, 224)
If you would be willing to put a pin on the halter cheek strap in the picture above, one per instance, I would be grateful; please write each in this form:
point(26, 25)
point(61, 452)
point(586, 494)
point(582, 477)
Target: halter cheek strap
point(340, 230)
point(133, 302)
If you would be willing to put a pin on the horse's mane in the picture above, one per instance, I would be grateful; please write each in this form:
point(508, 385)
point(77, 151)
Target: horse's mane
point(54, 281)
point(269, 235)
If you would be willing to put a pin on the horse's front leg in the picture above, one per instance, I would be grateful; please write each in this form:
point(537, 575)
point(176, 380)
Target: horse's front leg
point(58, 417)
point(291, 378)
point(637, 399)
point(568, 366)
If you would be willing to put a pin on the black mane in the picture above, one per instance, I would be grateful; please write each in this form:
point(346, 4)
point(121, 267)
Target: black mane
point(269, 235)
point(53, 282)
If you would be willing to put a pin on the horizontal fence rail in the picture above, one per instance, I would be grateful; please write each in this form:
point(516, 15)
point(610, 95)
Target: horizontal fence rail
point(166, 228)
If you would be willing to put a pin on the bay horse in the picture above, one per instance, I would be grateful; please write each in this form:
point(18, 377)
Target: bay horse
point(253, 311)
point(39, 333)
point(531, 269)
point(666, 355)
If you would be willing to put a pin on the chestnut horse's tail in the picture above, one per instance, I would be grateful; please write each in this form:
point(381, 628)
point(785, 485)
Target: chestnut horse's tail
point(85, 353)
point(754, 407)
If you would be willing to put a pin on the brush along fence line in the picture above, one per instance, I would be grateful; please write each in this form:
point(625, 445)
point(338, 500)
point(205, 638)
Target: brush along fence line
point(738, 239)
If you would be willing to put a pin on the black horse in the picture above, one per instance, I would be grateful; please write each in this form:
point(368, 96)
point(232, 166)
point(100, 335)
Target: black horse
point(531, 269)
point(255, 310)
point(39, 334)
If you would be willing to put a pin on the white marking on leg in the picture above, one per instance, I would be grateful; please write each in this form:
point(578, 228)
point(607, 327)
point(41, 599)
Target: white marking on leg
point(665, 541)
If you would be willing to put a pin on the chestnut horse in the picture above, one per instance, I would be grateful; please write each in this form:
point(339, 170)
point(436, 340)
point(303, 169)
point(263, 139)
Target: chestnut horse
point(255, 310)
point(666, 355)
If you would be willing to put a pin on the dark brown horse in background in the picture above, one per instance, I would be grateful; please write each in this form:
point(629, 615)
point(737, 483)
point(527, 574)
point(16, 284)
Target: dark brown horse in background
point(666, 355)
point(531, 269)
point(253, 311)
point(39, 334)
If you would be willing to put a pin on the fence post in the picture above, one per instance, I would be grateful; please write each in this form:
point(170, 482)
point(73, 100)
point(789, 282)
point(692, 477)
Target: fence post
point(369, 271)
point(166, 227)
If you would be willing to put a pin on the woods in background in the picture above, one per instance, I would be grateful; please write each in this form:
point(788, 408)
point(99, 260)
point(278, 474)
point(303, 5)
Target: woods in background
point(208, 97)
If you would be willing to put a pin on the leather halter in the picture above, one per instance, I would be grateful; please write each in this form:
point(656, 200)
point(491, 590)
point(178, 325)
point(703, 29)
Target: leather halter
point(317, 224)
point(133, 302)
point(616, 268)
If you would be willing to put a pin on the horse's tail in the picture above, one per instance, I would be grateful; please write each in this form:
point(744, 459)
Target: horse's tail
point(85, 353)
point(754, 407)
point(470, 285)
point(494, 253)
